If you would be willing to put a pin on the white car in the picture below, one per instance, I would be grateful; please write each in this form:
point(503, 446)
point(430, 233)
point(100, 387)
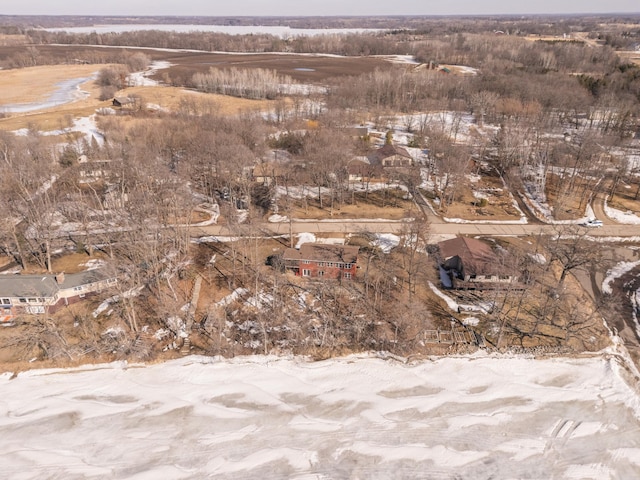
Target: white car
point(592, 223)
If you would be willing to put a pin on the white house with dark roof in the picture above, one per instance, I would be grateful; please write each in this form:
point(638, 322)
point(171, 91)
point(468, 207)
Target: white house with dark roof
point(39, 294)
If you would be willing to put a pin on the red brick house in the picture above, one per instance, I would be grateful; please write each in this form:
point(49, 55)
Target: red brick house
point(318, 260)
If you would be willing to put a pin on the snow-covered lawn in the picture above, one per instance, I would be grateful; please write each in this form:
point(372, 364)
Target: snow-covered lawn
point(386, 241)
point(355, 417)
point(628, 218)
point(454, 306)
point(616, 272)
point(142, 79)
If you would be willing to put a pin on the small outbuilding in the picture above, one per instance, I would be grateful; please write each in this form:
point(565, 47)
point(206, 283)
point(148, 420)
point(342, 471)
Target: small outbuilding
point(122, 102)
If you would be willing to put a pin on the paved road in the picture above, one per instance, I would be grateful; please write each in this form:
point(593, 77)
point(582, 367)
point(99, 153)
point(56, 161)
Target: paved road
point(373, 226)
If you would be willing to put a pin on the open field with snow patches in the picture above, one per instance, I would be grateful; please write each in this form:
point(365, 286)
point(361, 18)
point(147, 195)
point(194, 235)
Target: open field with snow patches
point(263, 417)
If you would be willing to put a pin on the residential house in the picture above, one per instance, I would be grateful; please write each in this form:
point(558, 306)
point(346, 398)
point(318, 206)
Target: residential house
point(318, 260)
point(468, 263)
point(357, 132)
point(271, 173)
point(391, 156)
point(360, 170)
point(93, 170)
point(39, 294)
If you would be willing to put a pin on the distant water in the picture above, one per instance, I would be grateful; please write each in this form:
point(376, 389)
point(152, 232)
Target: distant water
point(279, 31)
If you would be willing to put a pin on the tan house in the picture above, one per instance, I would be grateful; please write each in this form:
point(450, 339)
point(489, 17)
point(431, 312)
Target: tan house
point(468, 263)
point(391, 156)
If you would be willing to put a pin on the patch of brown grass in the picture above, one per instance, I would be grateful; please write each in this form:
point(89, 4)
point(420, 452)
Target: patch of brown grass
point(499, 204)
point(388, 204)
point(172, 98)
point(6, 40)
point(566, 204)
point(624, 197)
point(34, 84)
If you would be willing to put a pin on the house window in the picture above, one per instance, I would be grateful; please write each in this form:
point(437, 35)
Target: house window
point(472, 277)
point(6, 301)
point(503, 277)
point(33, 300)
point(23, 300)
point(320, 273)
point(329, 264)
point(306, 261)
point(321, 264)
point(347, 275)
point(348, 265)
point(306, 273)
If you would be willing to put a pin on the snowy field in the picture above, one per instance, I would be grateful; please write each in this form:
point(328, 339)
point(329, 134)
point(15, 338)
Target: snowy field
point(262, 417)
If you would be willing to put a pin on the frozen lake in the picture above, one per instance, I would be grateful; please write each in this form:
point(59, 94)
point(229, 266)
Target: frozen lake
point(268, 418)
point(279, 31)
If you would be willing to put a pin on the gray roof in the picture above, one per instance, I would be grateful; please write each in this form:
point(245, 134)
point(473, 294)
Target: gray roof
point(83, 278)
point(322, 252)
point(28, 286)
point(45, 285)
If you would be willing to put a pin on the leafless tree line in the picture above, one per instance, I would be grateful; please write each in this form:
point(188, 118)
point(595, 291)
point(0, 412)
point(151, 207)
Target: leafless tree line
point(245, 83)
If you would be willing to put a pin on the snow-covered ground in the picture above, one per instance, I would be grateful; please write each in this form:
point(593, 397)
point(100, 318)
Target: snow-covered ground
point(266, 417)
point(616, 272)
point(386, 241)
point(619, 216)
point(142, 79)
point(84, 125)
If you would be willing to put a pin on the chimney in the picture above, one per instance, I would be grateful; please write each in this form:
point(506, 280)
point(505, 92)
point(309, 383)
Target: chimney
point(60, 278)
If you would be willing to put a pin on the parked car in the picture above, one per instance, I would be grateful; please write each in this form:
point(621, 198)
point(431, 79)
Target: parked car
point(592, 223)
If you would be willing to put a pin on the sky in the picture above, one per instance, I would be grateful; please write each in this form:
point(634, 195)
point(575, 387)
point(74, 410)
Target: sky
point(312, 7)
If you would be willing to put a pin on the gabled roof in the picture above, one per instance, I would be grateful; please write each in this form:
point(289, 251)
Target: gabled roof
point(476, 256)
point(28, 286)
point(123, 100)
point(363, 167)
point(386, 151)
point(83, 278)
point(45, 285)
point(322, 252)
